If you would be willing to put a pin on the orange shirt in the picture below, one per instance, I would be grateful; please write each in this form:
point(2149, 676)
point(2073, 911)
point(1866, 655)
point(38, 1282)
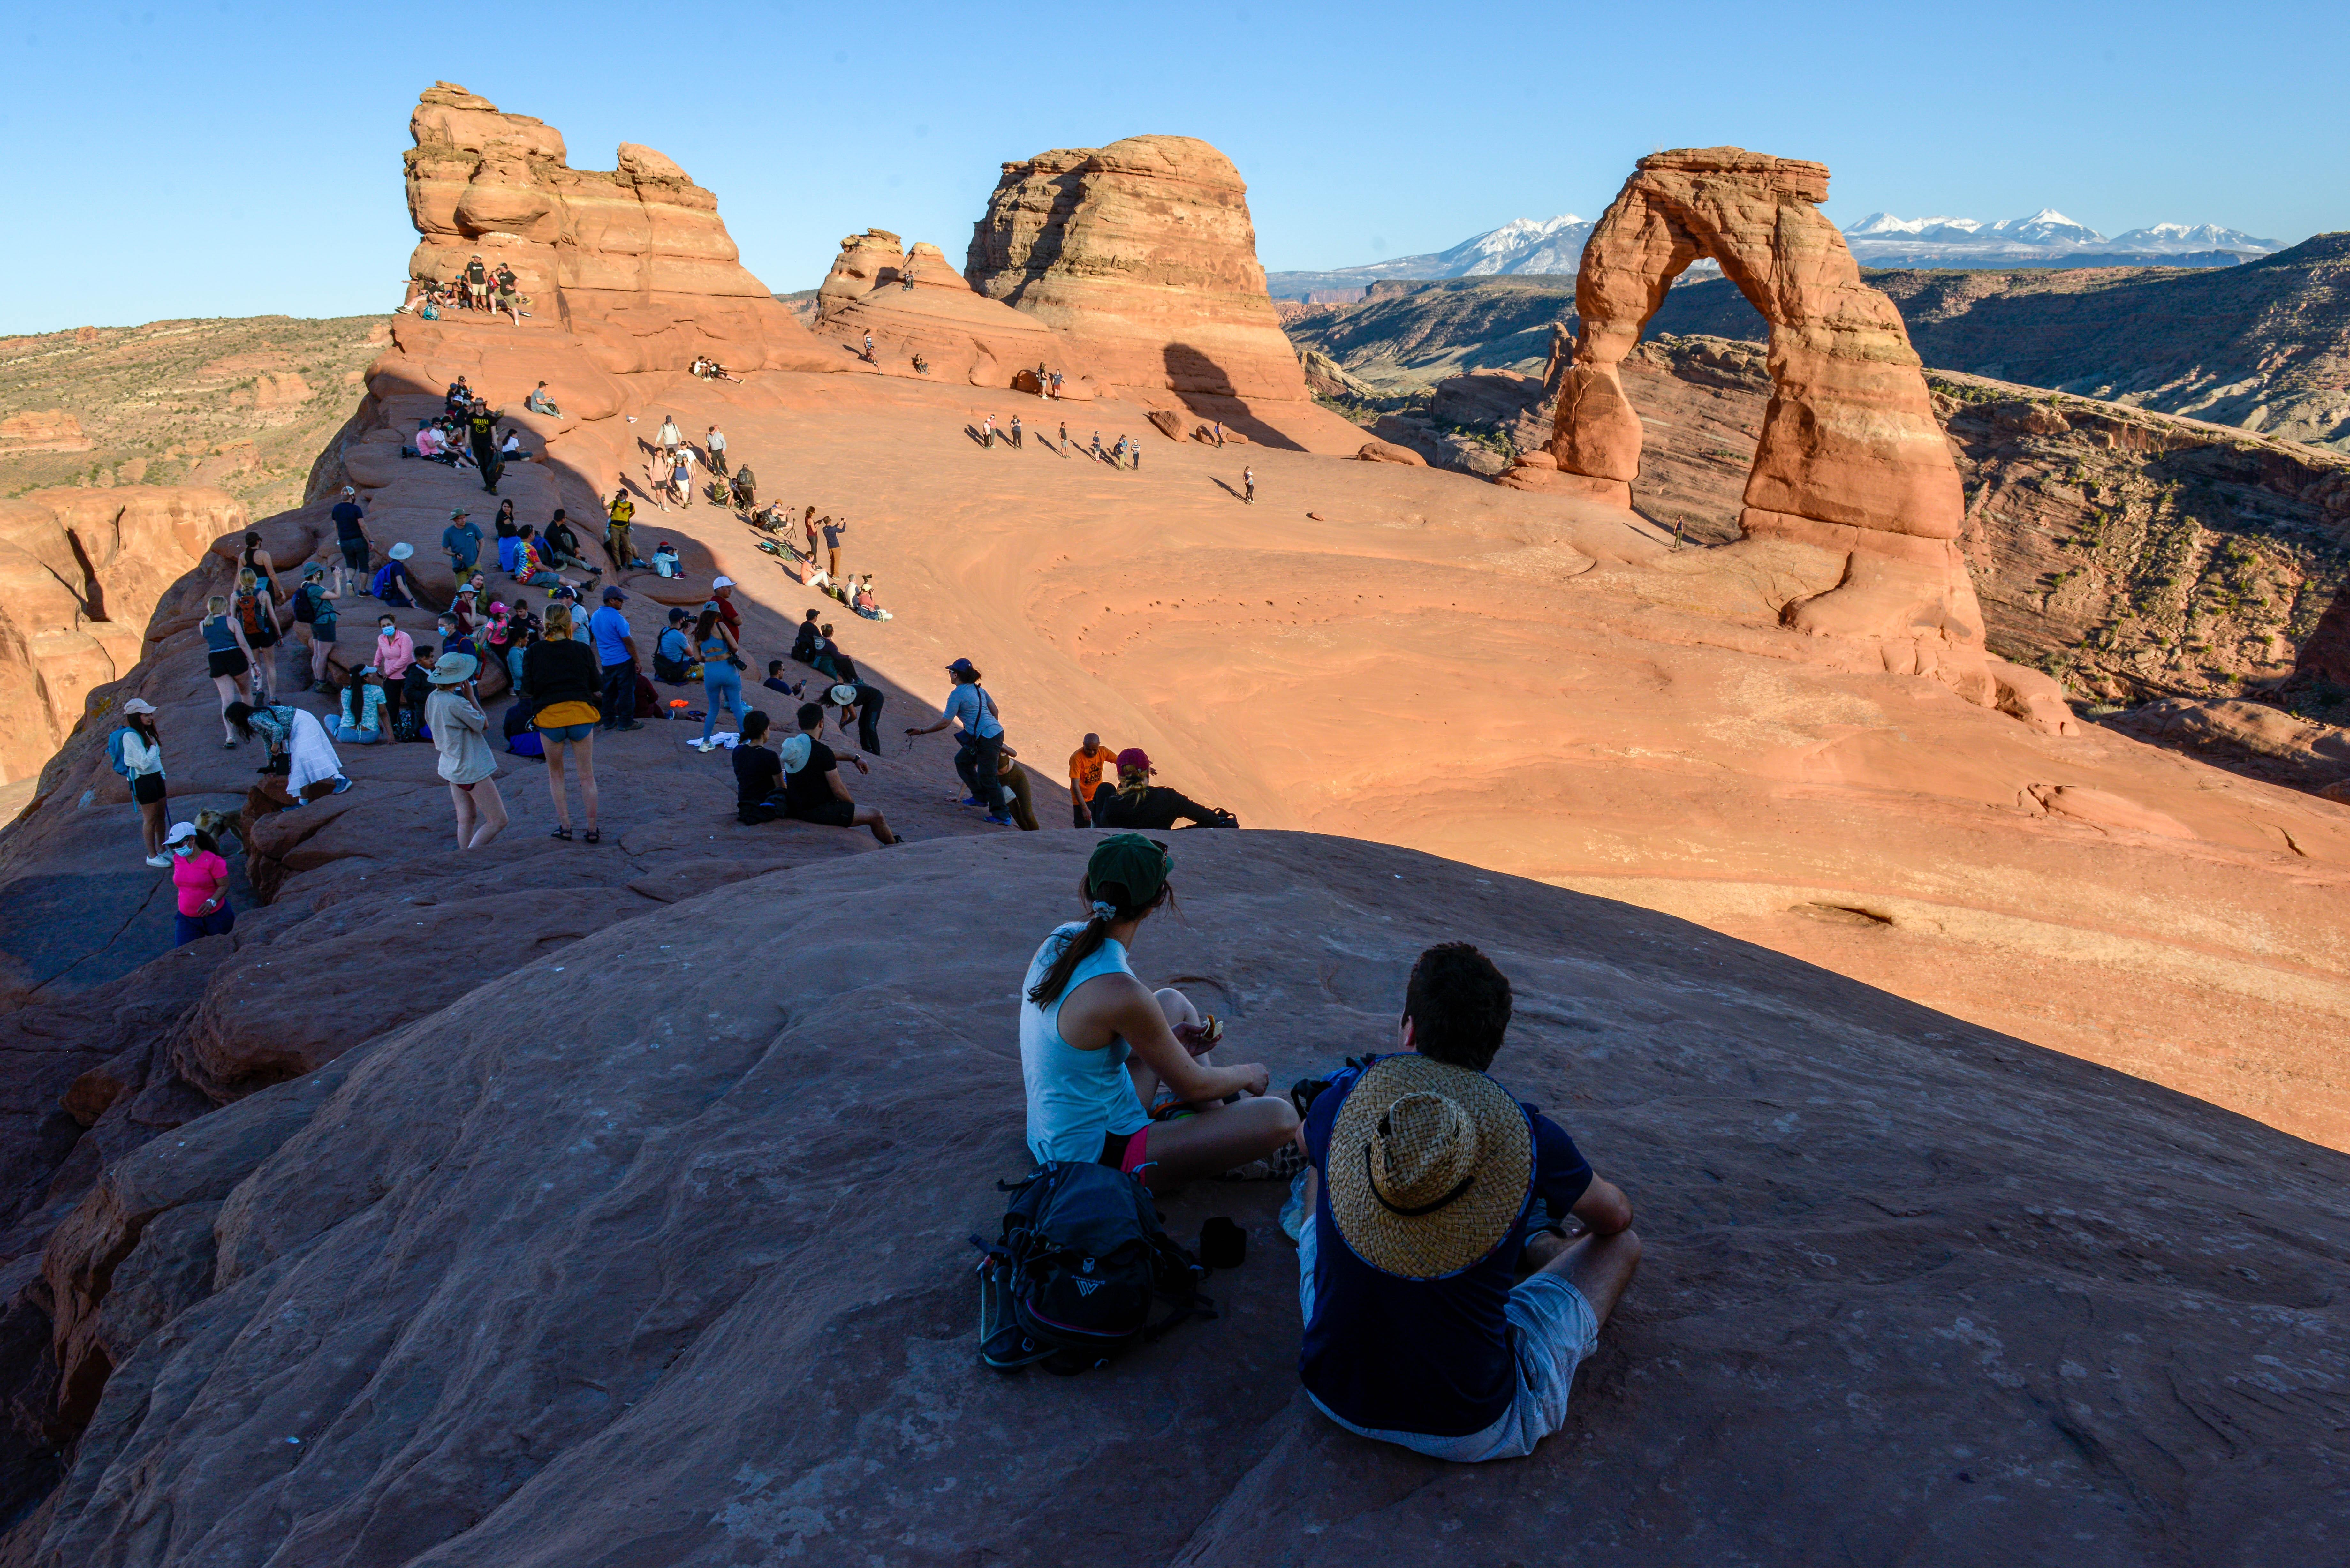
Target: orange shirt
point(1086, 771)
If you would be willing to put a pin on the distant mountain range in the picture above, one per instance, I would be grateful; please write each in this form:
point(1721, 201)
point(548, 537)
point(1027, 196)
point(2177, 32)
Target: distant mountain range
point(2046, 238)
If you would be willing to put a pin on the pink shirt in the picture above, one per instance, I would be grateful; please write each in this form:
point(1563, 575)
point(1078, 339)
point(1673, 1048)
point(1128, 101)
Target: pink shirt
point(200, 877)
point(394, 654)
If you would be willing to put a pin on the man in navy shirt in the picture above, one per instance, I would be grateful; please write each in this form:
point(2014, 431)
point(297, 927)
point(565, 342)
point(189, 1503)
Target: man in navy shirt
point(1420, 1216)
point(350, 532)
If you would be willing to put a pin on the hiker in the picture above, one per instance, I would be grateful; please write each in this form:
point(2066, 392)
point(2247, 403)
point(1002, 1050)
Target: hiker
point(1097, 1046)
point(673, 650)
point(310, 600)
point(804, 644)
point(462, 543)
point(746, 492)
point(776, 682)
point(538, 402)
point(1086, 764)
point(200, 877)
point(255, 610)
point(1018, 801)
point(681, 477)
point(808, 524)
point(260, 562)
point(721, 600)
point(395, 584)
point(351, 535)
point(1219, 432)
point(297, 735)
point(1136, 803)
point(415, 686)
point(564, 682)
point(477, 284)
point(616, 653)
point(481, 423)
point(362, 723)
point(619, 543)
point(461, 734)
point(1044, 381)
point(1056, 384)
point(668, 437)
point(987, 433)
point(713, 447)
point(833, 530)
point(814, 793)
point(869, 348)
point(1098, 454)
point(230, 661)
point(562, 545)
point(1248, 486)
point(508, 293)
point(861, 705)
point(979, 741)
point(1016, 433)
point(135, 750)
point(722, 671)
point(1421, 1207)
point(395, 652)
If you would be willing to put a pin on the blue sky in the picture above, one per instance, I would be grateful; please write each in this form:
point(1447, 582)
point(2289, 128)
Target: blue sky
point(219, 158)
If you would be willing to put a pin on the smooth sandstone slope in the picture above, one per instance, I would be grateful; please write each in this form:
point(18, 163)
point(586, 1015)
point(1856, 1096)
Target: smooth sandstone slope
point(1545, 687)
point(686, 1282)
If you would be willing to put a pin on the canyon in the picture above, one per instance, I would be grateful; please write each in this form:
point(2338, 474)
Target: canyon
point(1970, 1064)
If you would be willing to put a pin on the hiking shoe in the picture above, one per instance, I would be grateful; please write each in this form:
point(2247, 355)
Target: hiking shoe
point(999, 821)
point(160, 862)
point(341, 784)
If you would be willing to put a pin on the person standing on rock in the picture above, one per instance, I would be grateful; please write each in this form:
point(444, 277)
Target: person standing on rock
point(1248, 486)
point(461, 734)
point(860, 704)
point(616, 654)
point(316, 609)
point(1056, 384)
point(722, 672)
point(1064, 441)
point(351, 538)
point(200, 877)
point(1430, 1187)
point(1016, 433)
point(833, 530)
point(669, 437)
point(509, 292)
point(477, 284)
point(714, 444)
point(395, 655)
point(1097, 1046)
point(619, 539)
point(979, 741)
point(482, 428)
point(462, 542)
point(561, 676)
point(136, 750)
point(681, 477)
point(868, 349)
point(987, 433)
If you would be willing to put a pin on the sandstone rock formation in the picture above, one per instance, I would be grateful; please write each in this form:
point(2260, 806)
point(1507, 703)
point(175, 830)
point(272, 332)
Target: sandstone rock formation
point(628, 1291)
point(1851, 461)
point(45, 430)
point(914, 304)
point(80, 572)
point(635, 262)
point(1144, 250)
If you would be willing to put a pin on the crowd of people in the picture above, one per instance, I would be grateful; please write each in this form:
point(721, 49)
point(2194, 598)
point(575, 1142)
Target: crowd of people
point(478, 287)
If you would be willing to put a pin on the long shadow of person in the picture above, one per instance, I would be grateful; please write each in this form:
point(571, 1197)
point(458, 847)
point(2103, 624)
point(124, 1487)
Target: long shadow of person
point(1227, 488)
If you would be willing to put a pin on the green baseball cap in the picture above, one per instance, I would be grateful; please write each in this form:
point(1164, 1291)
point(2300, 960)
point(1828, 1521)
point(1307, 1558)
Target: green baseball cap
point(1141, 866)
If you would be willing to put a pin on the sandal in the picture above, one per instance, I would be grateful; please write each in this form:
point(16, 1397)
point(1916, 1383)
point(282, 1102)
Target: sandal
point(595, 835)
point(562, 832)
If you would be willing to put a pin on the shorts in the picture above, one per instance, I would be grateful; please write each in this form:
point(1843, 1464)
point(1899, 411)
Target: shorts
point(147, 789)
point(566, 734)
point(827, 814)
point(1126, 1153)
point(322, 631)
point(355, 553)
point(186, 929)
point(1552, 1330)
point(227, 662)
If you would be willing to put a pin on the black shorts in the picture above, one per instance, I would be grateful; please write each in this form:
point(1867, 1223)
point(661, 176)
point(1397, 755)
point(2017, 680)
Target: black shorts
point(263, 636)
point(147, 789)
point(354, 554)
point(322, 631)
point(827, 814)
point(229, 662)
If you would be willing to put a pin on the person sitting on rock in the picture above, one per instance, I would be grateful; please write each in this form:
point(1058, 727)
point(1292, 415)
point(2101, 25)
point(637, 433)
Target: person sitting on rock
point(362, 710)
point(1098, 1047)
point(759, 772)
point(1136, 803)
point(399, 590)
point(1430, 1188)
point(538, 402)
point(814, 793)
point(774, 680)
point(804, 645)
point(673, 650)
point(666, 561)
point(563, 547)
point(865, 603)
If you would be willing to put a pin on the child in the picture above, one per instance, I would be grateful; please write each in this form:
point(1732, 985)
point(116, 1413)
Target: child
point(665, 560)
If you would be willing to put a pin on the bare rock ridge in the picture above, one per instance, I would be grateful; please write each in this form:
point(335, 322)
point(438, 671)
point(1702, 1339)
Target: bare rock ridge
point(634, 261)
point(1851, 462)
point(1144, 250)
point(642, 1292)
point(913, 304)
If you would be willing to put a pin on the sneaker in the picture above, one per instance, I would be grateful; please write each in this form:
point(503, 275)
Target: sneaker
point(341, 784)
point(160, 862)
point(632, 724)
point(1000, 821)
point(972, 800)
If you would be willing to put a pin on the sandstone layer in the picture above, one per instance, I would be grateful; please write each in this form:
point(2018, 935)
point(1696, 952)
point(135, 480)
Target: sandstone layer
point(81, 570)
point(1850, 460)
point(1144, 250)
point(635, 262)
point(915, 305)
point(680, 1264)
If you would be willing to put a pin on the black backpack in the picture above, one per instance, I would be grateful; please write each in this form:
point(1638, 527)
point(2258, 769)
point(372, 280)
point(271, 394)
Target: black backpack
point(1071, 1279)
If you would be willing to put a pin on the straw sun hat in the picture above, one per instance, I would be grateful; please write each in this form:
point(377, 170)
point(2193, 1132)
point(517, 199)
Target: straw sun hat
point(1430, 1166)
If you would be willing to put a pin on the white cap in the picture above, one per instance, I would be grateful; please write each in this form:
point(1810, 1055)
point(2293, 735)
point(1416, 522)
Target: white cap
point(718, 583)
point(180, 832)
point(138, 705)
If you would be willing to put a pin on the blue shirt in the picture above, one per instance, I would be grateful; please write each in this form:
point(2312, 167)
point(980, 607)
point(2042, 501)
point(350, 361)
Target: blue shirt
point(1075, 1098)
point(608, 626)
point(1431, 1356)
point(972, 705)
point(463, 545)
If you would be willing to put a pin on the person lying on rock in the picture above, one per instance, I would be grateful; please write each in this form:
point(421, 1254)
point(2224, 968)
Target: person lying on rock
point(1099, 1048)
point(1136, 802)
point(1430, 1189)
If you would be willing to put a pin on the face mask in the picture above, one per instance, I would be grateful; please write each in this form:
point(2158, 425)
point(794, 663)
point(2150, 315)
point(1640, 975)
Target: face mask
point(185, 847)
point(386, 628)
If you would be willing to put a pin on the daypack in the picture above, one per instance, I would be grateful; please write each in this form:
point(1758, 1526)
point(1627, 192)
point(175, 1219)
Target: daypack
point(1071, 1278)
point(114, 750)
point(380, 583)
point(521, 739)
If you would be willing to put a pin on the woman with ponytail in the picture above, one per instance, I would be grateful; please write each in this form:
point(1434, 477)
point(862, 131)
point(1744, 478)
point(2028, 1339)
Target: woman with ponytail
point(1095, 1045)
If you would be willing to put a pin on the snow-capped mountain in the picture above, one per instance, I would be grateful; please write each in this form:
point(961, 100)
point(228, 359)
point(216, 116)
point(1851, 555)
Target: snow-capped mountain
point(2045, 238)
point(1523, 245)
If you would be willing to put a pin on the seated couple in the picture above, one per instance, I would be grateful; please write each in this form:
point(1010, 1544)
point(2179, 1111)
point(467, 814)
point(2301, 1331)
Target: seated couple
point(800, 778)
point(1430, 1189)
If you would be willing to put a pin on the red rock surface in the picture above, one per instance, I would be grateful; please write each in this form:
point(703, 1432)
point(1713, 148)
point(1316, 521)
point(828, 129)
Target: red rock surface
point(685, 1281)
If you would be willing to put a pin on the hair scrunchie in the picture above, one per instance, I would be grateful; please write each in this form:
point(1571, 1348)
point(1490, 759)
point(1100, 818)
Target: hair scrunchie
point(1105, 912)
